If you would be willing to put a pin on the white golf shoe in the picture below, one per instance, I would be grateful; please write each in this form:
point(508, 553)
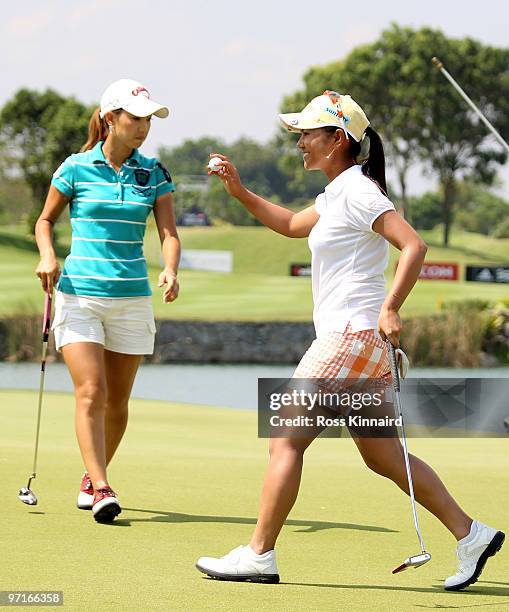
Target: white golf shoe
point(473, 551)
point(86, 494)
point(241, 564)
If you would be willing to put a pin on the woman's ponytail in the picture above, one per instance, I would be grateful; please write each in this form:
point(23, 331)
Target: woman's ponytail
point(97, 130)
point(374, 165)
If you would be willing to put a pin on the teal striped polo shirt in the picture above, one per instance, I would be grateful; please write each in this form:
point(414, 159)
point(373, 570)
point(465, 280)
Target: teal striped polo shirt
point(109, 213)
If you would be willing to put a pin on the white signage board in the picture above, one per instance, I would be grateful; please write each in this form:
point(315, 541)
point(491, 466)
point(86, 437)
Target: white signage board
point(213, 261)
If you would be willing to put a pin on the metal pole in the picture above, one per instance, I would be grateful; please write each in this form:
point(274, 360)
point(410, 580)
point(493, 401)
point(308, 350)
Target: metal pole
point(440, 67)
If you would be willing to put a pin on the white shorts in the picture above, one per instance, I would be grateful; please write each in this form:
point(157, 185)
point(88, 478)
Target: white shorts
point(122, 325)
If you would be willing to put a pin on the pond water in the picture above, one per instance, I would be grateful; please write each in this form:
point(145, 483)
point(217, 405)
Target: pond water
point(233, 386)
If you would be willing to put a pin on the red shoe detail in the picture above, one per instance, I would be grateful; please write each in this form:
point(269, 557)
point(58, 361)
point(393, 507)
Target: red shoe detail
point(106, 505)
point(103, 493)
point(86, 485)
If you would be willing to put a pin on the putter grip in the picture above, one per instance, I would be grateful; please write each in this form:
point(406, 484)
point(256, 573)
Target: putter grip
point(394, 366)
point(437, 63)
point(46, 321)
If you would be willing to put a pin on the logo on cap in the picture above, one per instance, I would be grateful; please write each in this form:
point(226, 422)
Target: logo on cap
point(294, 121)
point(140, 90)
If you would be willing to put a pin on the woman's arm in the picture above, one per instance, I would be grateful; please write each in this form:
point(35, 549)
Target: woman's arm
point(400, 234)
point(170, 246)
point(48, 269)
point(277, 218)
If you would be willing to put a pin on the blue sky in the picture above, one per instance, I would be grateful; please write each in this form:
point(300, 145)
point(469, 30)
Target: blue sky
point(222, 67)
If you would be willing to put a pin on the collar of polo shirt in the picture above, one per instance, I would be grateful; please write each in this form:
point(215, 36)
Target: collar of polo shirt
point(133, 159)
point(97, 156)
point(336, 185)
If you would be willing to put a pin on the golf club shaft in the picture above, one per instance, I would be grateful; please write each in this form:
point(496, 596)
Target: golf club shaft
point(396, 385)
point(39, 408)
point(45, 337)
point(446, 74)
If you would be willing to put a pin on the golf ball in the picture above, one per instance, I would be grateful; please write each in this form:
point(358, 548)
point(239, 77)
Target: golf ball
point(215, 164)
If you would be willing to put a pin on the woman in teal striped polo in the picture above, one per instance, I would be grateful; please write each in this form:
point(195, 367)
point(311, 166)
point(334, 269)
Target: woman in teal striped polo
point(103, 320)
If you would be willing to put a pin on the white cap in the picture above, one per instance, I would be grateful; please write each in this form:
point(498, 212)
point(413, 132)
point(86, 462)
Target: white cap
point(132, 97)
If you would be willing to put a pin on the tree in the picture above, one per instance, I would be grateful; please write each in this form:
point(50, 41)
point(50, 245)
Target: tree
point(258, 164)
point(39, 130)
point(219, 205)
point(480, 210)
point(369, 73)
point(191, 157)
point(259, 167)
point(15, 200)
point(417, 112)
point(502, 230)
point(455, 144)
point(425, 211)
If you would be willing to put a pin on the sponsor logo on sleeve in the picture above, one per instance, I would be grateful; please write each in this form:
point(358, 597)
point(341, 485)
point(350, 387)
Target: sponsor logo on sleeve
point(167, 175)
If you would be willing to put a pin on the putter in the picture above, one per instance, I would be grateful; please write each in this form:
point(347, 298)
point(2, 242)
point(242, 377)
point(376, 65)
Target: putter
point(25, 494)
point(423, 556)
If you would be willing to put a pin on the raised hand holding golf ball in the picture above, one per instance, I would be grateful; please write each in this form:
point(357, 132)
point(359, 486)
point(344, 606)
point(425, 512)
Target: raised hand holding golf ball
point(215, 164)
point(221, 166)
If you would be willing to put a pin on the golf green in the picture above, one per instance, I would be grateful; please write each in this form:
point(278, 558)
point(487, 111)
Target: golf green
point(189, 479)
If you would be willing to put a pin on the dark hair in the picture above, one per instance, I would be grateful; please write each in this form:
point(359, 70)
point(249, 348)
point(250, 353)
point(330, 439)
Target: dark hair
point(97, 130)
point(374, 166)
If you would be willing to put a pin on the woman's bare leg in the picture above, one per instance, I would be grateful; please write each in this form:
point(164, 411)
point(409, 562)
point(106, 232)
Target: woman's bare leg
point(280, 489)
point(385, 456)
point(85, 361)
point(120, 372)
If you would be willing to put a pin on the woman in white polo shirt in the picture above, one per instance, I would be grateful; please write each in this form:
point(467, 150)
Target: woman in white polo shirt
point(348, 228)
point(103, 320)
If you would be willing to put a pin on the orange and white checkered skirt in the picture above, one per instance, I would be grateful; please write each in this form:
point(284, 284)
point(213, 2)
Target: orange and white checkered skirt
point(348, 355)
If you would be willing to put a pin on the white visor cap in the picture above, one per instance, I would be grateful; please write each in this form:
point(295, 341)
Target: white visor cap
point(329, 109)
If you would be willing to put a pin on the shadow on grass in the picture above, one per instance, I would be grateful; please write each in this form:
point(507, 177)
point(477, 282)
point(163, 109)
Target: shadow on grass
point(438, 589)
point(476, 591)
point(162, 516)
point(482, 255)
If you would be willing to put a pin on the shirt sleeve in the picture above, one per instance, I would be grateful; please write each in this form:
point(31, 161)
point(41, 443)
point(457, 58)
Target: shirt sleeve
point(164, 182)
point(365, 208)
point(320, 204)
point(63, 178)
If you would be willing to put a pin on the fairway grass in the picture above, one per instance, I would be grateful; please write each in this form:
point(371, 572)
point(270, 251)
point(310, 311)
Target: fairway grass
point(189, 479)
point(259, 288)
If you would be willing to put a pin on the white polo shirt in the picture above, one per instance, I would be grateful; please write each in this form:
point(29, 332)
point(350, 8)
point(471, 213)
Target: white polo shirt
point(348, 258)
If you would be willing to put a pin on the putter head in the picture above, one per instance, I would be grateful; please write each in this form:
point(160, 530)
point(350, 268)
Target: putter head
point(415, 561)
point(27, 496)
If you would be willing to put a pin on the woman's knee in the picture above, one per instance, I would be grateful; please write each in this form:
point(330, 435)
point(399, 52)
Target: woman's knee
point(290, 447)
point(377, 465)
point(91, 394)
point(387, 464)
point(117, 410)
